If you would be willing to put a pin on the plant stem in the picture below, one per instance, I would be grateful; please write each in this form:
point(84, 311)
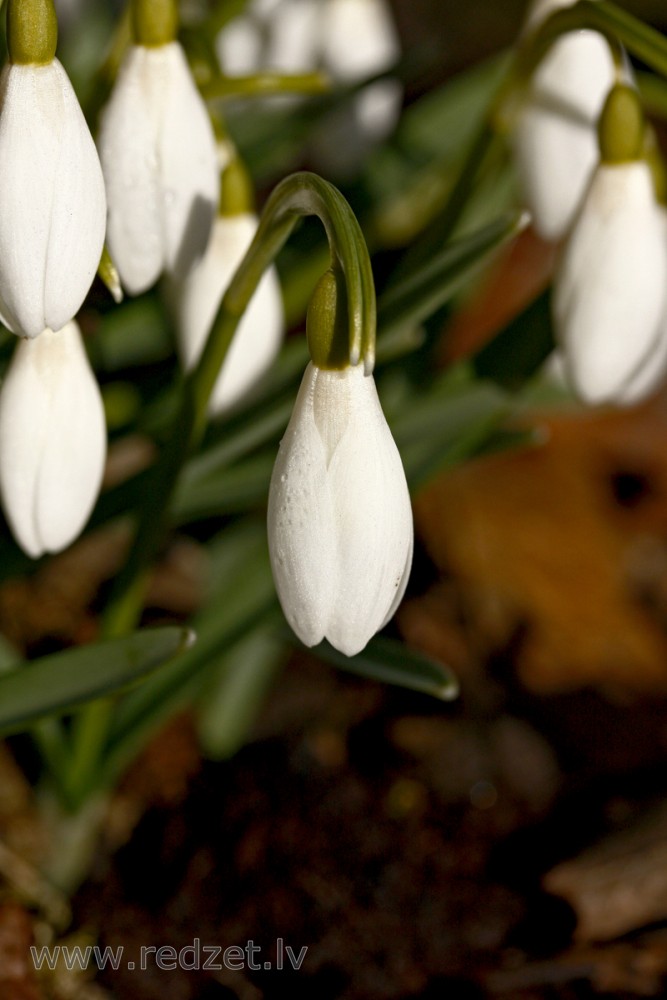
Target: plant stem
point(297, 196)
point(261, 84)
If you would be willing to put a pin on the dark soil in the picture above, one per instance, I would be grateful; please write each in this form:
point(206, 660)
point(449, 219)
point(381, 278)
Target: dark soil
point(401, 842)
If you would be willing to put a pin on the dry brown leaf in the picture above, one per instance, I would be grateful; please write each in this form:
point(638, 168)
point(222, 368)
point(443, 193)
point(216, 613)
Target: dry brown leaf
point(567, 541)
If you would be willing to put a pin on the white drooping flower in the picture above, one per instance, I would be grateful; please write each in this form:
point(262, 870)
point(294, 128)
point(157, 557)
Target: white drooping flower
point(555, 136)
point(339, 519)
point(160, 166)
point(53, 207)
point(52, 440)
point(610, 293)
point(196, 301)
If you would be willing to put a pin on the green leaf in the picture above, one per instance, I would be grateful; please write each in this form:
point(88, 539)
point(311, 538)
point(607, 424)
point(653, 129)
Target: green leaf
point(450, 422)
point(134, 333)
point(236, 690)
point(429, 286)
point(391, 662)
point(242, 595)
point(640, 39)
point(58, 683)
point(518, 351)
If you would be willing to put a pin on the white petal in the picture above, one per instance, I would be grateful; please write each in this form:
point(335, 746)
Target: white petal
point(609, 294)
point(127, 143)
point(359, 38)
point(555, 139)
point(373, 520)
point(295, 36)
point(259, 334)
point(301, 536)
point(378, 108)
point(53, 210)
point(188, 159)
point(160, 165)
point(649, 376)
point(78, 218)
point(52, 440)
point(653, 371)
point(239, 47)
point(340, 523)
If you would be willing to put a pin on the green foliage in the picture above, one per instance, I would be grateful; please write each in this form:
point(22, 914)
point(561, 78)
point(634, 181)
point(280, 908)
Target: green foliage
point(436, 204)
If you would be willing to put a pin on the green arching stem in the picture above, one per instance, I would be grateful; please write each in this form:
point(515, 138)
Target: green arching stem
point(32, 32)
point(617, 26)
point(297, 196)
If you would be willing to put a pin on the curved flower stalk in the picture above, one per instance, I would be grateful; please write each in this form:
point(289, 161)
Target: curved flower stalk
point(555, 136)
point(52, 440)
point(339, 520)
point(197, 298)
point(610, 293)
point(160, 166)
point(53, 209)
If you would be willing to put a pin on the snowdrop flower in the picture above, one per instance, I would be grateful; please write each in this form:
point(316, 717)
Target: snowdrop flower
point(260, 332)
point(159, 160)
point(339, 518)
point(52, 440)
point(53, 209)
point(610, 293)
point(555, 138)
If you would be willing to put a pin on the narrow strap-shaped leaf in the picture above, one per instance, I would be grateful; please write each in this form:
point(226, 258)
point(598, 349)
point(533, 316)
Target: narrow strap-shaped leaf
point(391, 662)
point(58, 683)
point(421, 292)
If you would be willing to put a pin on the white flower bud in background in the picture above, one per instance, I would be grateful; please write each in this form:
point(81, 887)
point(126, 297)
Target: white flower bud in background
point(294, 37)
point(555, 136)
point(160, 165)
point(339, 518)
point(52, 440)
point(53, 207)
point(350, 40)
point(196, 300)
point(239, 46)
point(610, 292)
point(610, 301)
point(359, 41)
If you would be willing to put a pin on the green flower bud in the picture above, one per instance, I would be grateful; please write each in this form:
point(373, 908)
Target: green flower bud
point(327, 325)
point(237, 196)
point(32, 32)
point(621, 126)
point(154, 22)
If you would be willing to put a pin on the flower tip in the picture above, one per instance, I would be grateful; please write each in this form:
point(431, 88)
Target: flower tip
point(347, 647)
point(448, 691)
point(52, 441)
point(189, 638)
point(525, 220)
